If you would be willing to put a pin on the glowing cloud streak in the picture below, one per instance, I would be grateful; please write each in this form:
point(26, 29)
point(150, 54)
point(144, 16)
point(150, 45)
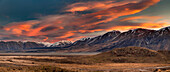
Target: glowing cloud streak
point(53, 28)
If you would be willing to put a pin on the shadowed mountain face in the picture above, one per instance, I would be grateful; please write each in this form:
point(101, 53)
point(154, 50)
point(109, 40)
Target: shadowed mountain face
point(18, 45)
point(152, 39)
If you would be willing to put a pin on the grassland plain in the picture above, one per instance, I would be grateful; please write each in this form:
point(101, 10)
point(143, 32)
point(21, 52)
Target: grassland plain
point(128, 59)
point(118, 55)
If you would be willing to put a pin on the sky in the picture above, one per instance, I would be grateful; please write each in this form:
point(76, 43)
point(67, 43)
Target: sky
point(56, 20)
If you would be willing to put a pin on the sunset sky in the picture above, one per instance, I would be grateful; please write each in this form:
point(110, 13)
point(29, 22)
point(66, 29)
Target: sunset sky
point(55, 20)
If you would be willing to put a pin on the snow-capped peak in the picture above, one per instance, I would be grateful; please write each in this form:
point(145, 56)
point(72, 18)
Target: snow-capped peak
point(62, 43)
point(46, 44)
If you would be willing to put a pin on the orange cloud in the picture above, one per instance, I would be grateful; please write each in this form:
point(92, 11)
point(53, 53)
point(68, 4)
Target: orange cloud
point(115, 12)
point(90, 31)
point(17, 31)
point(19, 27)
point(36, 32)
point(151, 18)
point(45, 39)
point(78, 9)
point(142, 25)
point(68, 34)
point(97, 5)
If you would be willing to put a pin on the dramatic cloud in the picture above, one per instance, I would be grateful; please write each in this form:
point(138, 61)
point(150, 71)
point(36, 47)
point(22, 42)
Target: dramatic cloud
point(149, 18)
point(97, 5)
point(72, 26)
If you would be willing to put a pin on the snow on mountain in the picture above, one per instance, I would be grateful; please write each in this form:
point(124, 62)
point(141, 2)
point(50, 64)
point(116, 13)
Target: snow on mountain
point(62, 43)
point(152, 39)
point(46, 44)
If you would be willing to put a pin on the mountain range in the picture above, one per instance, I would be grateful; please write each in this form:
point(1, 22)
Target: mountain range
point(26, 45)
point(18, 45)
point(152, 39)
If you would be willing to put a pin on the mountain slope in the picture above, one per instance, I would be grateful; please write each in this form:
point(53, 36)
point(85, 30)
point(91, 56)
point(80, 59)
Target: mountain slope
point(152, 39)
point(93, 44)
point(13, 45)
point(20, 46)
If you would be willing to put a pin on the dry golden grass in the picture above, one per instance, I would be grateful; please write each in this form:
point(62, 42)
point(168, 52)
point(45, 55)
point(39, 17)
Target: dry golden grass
point(76, 67)
point(110, 66)
point(101, 62)
point(33, 69)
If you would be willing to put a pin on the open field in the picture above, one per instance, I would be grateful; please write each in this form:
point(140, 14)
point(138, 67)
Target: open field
point(47, 54)
point(128, 59)
point(32, 63)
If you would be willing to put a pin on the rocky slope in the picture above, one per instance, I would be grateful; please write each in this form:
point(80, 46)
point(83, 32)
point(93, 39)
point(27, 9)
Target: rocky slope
point(152, 39)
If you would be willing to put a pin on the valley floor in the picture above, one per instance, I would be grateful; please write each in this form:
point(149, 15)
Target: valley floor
point(23, 64)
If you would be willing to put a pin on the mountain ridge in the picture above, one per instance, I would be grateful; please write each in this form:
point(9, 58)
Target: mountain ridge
point(152, 39)
point(140, 37)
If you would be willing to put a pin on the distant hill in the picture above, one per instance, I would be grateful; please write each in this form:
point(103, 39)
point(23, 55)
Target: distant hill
point(118, 55)
point(21, 46)
point(121, 55)
point(131, 55)
point(14, 45)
